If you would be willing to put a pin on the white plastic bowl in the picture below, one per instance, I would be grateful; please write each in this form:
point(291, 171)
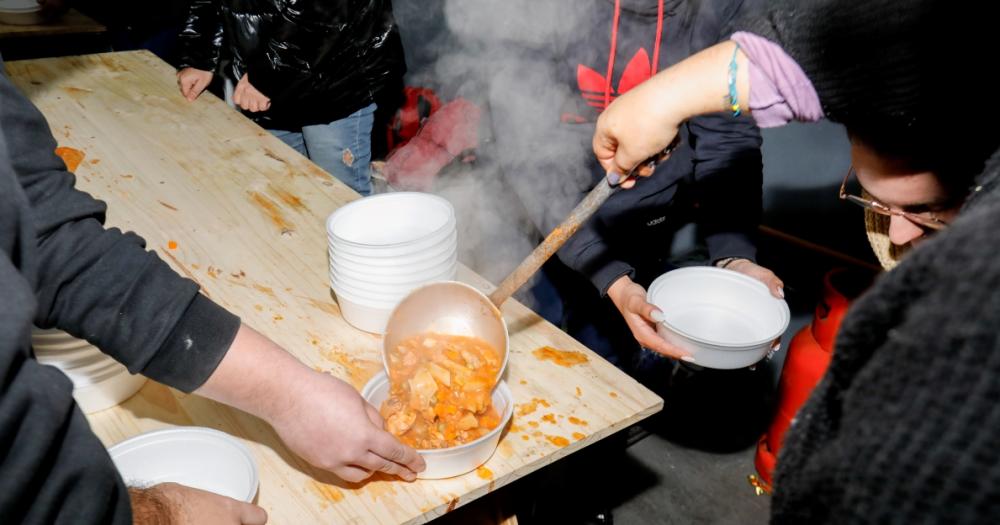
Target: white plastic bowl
point(202, 458)
point(417, 257)
point(724, 319)
point(436, 242)
point(389, 285)
point(404, 268)
point(452, 461)
point(20, 12)
point(109, 392)
point(368, 316)
point(391, 219)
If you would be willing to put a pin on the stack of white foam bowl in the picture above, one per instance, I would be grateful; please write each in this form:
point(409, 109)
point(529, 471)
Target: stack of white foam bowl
point(20, 12)
point(383, 247)
point(99, 382)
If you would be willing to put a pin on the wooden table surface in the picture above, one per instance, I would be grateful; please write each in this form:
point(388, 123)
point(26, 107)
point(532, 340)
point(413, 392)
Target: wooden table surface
point(233, 208)
point(71, 23)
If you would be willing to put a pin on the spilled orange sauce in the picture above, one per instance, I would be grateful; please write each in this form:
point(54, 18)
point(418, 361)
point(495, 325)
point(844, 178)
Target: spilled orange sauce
point(288, 198)
point(258, 307)
point(558, 441)
point(560, 357)
point(549, 418)
point(523, 382)
point(525, 437)
point(533, 424)
point(484, 473)
point(577, 421)
point(578, 436)
point(326, 492)
point(172, 245)
point(613, 394)
point(579, 392)
point(271, 209)
point(524, 409)
point(72, 157)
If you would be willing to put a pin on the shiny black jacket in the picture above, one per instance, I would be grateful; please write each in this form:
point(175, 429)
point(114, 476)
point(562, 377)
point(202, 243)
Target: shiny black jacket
point(318, 61)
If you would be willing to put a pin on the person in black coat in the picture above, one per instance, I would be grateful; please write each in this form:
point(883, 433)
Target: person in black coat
point(310, 72)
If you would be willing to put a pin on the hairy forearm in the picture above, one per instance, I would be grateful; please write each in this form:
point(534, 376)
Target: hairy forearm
point(149, 507)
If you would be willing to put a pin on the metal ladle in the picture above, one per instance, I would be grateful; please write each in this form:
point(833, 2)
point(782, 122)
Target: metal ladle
point(452, 307)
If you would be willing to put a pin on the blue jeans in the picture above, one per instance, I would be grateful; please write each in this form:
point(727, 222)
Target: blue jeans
point(343, 147)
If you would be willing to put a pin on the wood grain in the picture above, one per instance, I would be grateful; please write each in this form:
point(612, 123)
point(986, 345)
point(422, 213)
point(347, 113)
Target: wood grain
point(236, 210)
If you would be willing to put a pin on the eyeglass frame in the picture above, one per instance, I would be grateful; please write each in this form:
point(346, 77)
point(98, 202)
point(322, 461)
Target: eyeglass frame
point(930, 222)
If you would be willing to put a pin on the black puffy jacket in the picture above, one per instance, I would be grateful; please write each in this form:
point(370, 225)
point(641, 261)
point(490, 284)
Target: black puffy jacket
point(318, 61)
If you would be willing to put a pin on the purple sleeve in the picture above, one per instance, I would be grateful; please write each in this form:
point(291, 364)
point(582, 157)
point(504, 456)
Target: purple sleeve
point(780, 92)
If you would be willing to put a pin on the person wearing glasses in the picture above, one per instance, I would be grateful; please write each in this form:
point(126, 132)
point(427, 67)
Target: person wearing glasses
point(905, 425)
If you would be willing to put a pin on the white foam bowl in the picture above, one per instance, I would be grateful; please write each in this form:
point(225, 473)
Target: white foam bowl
point(404, 268)
point(202, 458)
point(417, 258)
point(20, 12)
point(388, 285)
point(385, 223)
point(452, 461)
point(109, 392)
point(724, 319)
point(365, 315)
point(416, 248)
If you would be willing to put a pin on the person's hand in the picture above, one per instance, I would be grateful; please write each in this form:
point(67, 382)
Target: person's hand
point(181, 505)
point(642, 317)
point(193, 81)
point(319, 417)
point(247, 97)
point(331, 426)
point(752, 269)
point(634, 128)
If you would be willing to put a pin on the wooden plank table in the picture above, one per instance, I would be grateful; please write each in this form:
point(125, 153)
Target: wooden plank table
point(236, 210)
point(72, 22)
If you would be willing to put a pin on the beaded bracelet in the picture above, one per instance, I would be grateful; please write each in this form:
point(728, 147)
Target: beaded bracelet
point(734, 99)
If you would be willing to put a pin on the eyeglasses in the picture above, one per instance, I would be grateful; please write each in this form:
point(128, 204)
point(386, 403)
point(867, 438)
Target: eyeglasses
point(926, 220)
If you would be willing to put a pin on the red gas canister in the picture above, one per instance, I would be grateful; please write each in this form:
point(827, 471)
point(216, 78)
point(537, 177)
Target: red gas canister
point(808, 356)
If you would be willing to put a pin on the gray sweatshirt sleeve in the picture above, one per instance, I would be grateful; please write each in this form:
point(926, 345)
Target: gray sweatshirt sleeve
point(102, 284)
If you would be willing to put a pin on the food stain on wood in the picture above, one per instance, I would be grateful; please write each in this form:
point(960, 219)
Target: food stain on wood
point(72, 157)
point(167, 206)
point(127, 176)
point(172, 245)
point(271, 210)
point(288, 198)
point(523, 382)
point(187, 273)
point(328, 493)
point(558, 441)
point(358, 371)
point(326, 307)
point(524, 409)
point(278, 317)
point(239, 275)
point(533, 424)
point(613, 394)
point(213, 272)
point(484, 473)
point(451, 505)
point(525, 437)
point(265, 290)
point(549, 418)
point(560, 357)
point(76, 92)
point(95, 162)
point(579, 392)
point(577, 421)
point(578, 436)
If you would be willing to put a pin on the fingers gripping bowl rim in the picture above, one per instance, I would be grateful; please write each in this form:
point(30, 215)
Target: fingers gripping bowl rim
point(724, 319)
